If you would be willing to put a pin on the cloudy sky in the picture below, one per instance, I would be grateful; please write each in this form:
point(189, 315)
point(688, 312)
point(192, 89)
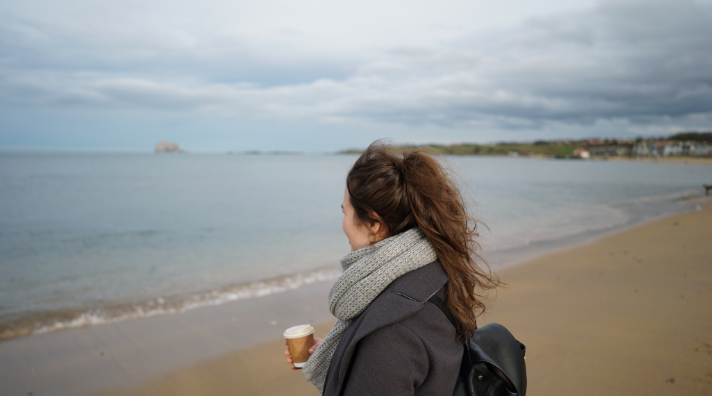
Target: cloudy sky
point(318, 75)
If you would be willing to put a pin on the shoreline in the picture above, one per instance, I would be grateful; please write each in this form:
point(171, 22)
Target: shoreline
point(631, 307)
point(91, 360)
point(83, 318)
point(515, 256)
point(499, 259)
point(662, 160)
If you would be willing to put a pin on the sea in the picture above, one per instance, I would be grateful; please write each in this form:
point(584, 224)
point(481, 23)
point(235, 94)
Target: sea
point(94, 238)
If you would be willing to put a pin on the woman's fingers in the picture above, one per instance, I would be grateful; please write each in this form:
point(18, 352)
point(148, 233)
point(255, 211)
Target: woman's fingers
point(289, 357)
point(291, 362)
point(317, 342)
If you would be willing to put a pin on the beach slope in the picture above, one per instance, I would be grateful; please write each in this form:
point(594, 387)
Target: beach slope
point(628, 314)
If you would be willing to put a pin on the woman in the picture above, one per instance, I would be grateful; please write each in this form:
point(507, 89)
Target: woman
point(410, 238)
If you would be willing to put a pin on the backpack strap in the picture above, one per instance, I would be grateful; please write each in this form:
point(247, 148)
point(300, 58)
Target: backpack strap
point(443, 307)
point(446, 310)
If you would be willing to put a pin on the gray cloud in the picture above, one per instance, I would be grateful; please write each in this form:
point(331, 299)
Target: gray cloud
point(621, 62)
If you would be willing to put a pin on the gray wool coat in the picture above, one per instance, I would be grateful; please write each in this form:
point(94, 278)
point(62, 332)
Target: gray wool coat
point(401, 344)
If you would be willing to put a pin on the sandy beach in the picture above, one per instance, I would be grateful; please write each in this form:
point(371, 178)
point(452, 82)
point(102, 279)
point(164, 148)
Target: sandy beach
point(627, 314)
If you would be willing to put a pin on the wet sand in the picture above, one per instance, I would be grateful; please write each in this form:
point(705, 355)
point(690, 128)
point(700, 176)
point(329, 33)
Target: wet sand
point(630, 313)
point(259, 370)
point(128, 354)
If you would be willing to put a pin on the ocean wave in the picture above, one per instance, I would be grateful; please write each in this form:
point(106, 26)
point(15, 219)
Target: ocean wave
point(671, 197)
point(622, 218)
point(45, 322)
point(625, 218)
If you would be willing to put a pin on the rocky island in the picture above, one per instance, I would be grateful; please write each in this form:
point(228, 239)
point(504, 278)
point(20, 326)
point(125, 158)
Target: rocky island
point(164, 146)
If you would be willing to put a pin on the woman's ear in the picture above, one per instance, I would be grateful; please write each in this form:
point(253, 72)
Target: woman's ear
point(376, 227)
point(378, 230)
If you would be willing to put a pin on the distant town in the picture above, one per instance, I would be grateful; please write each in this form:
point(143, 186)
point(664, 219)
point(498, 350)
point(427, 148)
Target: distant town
point(683, 144)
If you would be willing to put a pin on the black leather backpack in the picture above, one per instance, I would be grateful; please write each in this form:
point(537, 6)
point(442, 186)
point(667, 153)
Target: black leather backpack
point(492, 362)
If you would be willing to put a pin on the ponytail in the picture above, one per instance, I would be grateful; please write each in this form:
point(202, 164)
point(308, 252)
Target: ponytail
point(413, 190)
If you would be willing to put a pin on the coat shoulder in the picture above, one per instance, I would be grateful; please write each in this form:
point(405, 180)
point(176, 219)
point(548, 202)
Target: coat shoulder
point(420, 343)
point(420, 284)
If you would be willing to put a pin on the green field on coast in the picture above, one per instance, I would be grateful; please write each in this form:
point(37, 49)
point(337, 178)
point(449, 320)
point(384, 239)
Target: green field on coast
point(567, 148)
point(542, 149)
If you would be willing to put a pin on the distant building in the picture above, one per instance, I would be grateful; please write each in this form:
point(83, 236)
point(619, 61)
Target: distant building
point(582, 153)
point(701, 149)
point(663, 148)
point(642, 149)
point(608, 151)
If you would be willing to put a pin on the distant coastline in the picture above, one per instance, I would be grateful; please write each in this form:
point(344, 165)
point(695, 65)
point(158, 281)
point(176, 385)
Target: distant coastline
point(675, 148)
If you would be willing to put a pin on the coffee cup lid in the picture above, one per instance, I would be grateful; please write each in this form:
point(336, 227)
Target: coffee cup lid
point(298, 331)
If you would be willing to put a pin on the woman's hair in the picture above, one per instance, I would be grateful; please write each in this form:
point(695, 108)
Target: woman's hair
point(411, 189)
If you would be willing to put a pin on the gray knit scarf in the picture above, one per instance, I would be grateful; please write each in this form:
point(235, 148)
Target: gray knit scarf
point(367, 272)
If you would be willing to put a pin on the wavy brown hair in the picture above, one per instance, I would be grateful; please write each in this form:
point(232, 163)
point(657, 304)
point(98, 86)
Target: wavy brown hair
point(408, 189)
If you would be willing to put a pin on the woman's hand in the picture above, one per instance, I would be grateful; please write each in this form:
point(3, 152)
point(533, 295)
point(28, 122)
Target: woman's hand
point(317, 342)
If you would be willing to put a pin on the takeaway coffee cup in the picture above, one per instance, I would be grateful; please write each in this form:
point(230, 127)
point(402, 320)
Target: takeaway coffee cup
point(299, 340)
